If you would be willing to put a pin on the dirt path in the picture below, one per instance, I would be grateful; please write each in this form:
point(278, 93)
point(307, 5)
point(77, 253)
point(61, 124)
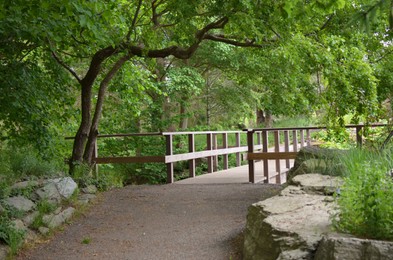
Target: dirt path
point(159, 222)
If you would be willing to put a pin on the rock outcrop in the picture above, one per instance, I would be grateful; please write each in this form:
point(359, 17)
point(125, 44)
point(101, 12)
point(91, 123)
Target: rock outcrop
point(339, 246)
point(312, 159)
point(291, 225)
point(297, 225)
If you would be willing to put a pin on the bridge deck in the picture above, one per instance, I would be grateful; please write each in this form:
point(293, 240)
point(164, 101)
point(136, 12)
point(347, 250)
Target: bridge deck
point(237, 174)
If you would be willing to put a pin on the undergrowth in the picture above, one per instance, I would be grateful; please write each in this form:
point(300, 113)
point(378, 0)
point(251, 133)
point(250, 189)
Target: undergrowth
point(366, 198)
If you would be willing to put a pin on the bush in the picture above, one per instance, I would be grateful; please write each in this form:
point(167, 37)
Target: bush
point(16, 164)
point(366, 199)
point(9, 234)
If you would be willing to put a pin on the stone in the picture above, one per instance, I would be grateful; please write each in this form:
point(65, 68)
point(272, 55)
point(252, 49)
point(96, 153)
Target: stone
point(53, 221)
point(296, 254)
point(28, 219)
point(4, 251)
point(86, 198)
point(30, 236)
point(310, 166)
point(320, 159)
point(49, 192)
point(285, 223)
point(19, 225)
point(317, 183)
point(20, 203)
point(66, 186)
point(24, 185)
point(90, 189)
point(43, 230)
point(339, 246)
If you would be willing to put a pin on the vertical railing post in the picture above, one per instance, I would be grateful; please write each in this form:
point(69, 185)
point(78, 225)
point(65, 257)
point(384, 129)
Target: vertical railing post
point(265, 144)
point(286, 146)
point(294, 137)
point(169, 151)
point(277, 150)
point(225, 146)
point(191, 149)
point(251, 163)
point(301, 138)
point(259, 139)
point(215, 158)
point(209, 147)
point(359, 138)
point(238, 155)
point(308, 135)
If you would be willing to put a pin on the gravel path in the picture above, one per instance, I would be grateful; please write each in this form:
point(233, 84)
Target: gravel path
point(159, 222)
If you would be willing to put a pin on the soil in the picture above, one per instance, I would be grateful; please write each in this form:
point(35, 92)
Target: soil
point(158, 222)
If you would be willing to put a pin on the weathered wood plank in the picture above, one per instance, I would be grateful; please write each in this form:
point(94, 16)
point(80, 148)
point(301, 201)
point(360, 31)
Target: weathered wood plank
point(202, 154)
point(134, 159)
point(272, 156)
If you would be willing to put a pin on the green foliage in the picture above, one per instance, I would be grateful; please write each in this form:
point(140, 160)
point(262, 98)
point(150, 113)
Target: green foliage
point(86, 240)
point(365, 200)
point(19, 163)
point(339, 138)
point(9, 234)
point(43, 207)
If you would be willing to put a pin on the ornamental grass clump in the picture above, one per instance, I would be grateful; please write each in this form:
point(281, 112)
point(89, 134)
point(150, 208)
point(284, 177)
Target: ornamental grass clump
point(366, 198)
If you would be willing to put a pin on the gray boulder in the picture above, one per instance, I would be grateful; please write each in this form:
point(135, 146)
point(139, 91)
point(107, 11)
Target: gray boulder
point(19, 225)
point(49, 192)
point(28, 219)
point(277, 226)
point(91, 189)
point(337, 247)
point(66, 186)
point(312, 159)
point(20, 203)
point(318, 184)
point(53, 221)
point(24, 185)
point(86, 198)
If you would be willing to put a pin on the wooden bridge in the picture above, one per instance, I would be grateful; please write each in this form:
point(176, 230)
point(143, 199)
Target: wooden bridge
point(269, 152)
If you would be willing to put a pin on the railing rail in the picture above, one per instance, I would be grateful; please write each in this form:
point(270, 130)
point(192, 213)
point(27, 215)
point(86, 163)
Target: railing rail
point(213, 150)
point(294, 139)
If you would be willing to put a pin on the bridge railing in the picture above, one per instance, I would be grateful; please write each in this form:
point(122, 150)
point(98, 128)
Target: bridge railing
point(213, 149)
point(295, 138)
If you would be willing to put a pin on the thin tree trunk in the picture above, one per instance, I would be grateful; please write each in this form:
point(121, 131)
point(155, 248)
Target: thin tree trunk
point(92, 138)
point(83, 131)
point(261, 119)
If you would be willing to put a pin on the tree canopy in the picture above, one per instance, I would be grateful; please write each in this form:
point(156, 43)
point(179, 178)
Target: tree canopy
point(171, 64)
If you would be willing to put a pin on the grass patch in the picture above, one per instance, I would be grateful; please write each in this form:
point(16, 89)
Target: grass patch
point(366, 198)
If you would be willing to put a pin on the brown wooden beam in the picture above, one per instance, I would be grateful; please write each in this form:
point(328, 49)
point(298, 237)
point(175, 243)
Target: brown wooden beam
point(134, 159)
point(272, 156)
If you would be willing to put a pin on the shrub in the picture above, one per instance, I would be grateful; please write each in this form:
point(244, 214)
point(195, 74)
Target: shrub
point(9, 234)
point(366, 199)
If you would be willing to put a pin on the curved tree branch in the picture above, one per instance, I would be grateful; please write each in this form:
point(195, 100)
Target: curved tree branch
point(64, 65)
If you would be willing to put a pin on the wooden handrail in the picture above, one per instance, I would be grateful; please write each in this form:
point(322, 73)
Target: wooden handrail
point(300, 137)
point(294, 139)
